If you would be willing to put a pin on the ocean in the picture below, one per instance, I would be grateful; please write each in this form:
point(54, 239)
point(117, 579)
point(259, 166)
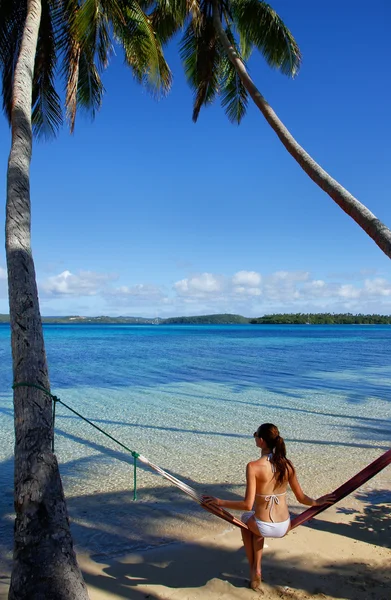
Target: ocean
point(189, 398)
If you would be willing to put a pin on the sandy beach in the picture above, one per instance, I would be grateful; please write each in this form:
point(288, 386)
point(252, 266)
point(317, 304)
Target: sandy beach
point(343, 554)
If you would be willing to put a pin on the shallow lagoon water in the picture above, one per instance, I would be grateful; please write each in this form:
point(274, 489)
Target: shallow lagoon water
point(189, 398)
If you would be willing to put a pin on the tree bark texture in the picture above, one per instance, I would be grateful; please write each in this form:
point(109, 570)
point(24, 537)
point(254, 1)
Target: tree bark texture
point(379, 232)
point(44, 565)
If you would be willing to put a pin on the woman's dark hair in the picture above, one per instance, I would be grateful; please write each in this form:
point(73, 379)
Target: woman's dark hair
point(270, 434)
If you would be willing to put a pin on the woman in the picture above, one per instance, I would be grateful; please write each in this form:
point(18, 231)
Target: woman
point(267, 482)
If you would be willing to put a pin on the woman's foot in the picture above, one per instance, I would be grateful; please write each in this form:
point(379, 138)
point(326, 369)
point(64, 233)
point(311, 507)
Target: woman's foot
point(255, 582)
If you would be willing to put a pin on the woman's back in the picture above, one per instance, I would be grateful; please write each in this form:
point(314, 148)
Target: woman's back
point(270, 496)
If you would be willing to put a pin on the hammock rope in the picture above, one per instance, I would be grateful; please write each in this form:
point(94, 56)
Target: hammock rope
point(341, 492)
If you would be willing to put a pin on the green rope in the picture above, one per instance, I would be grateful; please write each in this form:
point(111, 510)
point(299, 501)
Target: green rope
point(56, 399)
point(134, 477)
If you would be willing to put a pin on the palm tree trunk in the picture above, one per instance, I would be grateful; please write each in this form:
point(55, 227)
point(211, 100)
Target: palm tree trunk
point(44, 560)
point(380, 234)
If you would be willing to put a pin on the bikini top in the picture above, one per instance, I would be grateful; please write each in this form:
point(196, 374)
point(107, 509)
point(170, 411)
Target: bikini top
point(271, 499)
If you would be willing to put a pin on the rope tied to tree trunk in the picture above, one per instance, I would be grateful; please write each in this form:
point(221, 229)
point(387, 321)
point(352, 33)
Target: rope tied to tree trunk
point(55, 400)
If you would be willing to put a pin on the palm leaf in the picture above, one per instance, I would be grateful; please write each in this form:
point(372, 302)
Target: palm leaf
point(104, 45)
point(68, 44)
point(234, 96)
point(259, 25)
point(46, 107)
point(12, 19)
point(200, 53)
point(142, 48)
point(92, 21)
point(89, 85)
point(80, 39)
point(167, 18)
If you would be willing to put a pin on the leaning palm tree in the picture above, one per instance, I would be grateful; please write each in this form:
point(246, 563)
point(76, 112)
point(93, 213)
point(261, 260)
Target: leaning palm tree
point(219, 37)
point(36, 37)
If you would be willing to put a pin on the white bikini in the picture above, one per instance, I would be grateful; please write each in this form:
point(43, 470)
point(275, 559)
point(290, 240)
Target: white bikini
point(269, 528)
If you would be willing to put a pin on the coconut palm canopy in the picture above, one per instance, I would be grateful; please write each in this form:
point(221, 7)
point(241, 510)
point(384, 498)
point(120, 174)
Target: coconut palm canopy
point(249, 25)
point(76, 40)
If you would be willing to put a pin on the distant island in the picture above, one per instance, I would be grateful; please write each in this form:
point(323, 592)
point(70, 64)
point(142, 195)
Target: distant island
point(228, 319)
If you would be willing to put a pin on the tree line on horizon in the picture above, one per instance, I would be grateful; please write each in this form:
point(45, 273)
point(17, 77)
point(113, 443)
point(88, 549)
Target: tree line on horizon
point(228, 319)
point(322, 319)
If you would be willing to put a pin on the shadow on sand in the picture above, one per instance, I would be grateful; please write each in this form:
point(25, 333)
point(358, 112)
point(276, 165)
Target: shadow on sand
point(112, 520)
point(372, 526)
point(193, 566)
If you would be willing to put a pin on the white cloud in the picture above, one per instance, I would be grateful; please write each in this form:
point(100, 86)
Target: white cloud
point(291, 276)
point(282, 291)
point(138, 290)
point(85, 283)
point(245, 292)
point(250, 279)
point(377, 287)
point(199, 285)
point(349, 291)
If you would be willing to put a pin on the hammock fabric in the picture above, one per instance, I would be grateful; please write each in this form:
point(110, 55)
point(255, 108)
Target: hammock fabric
point(344, 490)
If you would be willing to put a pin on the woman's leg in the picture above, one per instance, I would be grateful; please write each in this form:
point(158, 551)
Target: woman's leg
point(247, 538)
point(257, 543)
point(257, 551)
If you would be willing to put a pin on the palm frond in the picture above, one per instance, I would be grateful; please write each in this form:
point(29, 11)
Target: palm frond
point(104, 45)
point(234, 96)
point(68, 43)
point(86, 22)
point(46, 106)
point(142, 48)
point(167, 18)
point(12, 19)
point(195, 12)
point(89, 85)
point(259, 25)
point(200, 53)
point(83, 35)
point(92, 22)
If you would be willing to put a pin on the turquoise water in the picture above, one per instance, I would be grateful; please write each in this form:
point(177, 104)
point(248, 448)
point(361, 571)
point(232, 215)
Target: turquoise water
point(189, 398)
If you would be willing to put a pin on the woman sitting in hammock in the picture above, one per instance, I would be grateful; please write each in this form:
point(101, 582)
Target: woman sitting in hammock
point(267, 481)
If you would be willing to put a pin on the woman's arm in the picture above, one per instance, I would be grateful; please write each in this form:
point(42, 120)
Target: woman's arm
point(303, 498)
point(249, 497)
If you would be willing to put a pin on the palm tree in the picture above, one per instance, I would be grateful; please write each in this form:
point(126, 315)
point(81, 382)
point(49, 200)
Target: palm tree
point(219, 37)
point(36, 36)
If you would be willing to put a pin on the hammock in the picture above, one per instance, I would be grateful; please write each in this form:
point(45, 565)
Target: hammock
point(344, 490)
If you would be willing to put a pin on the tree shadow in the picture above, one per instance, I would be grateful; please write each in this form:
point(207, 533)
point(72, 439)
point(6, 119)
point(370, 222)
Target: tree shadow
point(199, 432)
point(194, 565)
point(6, 513)
point(372, 525)
point(109, 524)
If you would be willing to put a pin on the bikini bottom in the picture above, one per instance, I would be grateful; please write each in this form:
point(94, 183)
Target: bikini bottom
point(268, 529)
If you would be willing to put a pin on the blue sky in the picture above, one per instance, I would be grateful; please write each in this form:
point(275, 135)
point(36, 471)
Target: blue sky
point(143, 212)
